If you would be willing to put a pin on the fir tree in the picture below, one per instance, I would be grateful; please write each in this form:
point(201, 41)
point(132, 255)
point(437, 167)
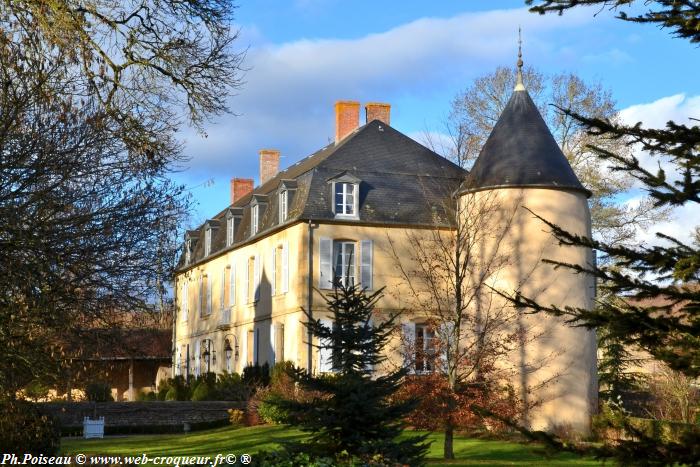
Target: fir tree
point(351, 411)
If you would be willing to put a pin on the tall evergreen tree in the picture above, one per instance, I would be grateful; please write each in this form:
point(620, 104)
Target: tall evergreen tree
point(352, 410)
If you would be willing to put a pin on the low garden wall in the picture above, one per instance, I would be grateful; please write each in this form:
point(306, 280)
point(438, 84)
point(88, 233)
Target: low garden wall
point(141, 417)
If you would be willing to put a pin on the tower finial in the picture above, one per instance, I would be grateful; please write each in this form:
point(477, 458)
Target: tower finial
point(519, 86)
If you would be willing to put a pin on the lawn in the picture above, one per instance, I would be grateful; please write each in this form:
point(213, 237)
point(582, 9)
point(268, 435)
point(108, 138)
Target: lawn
point(469, 451)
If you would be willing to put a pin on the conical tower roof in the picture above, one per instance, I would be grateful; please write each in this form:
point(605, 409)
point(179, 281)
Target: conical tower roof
point(521, 152)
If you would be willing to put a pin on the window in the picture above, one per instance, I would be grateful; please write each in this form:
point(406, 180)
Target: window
point(424, 349)
point(197, 359)
point(277, 342)
point(251, 347)
point(338, 263)
point(232, 285)
point(207, 242)
point(252, 279)
point(228, 355)
point(229, 230)
point(280, 269)
point(254, 216)
point(344, 263)
point(345, 199)
point(204, 295)
point(284, 201)
point(200, 295)
point(222, 289)
point(326, 362)
point(185, 300)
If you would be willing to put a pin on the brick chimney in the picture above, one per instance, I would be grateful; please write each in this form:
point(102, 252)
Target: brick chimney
point(269, 164)
point(240, 187)
point(347, 118)
point(378, 111)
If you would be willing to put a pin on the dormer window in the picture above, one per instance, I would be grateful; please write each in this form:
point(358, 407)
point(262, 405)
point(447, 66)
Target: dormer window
point(286, 191)
point(188, 251)
point(257, 211)
point(207, 242)
point(284, 202)
point(254, 218)
point(229, 231)
point(345, 199)
point(346, 195)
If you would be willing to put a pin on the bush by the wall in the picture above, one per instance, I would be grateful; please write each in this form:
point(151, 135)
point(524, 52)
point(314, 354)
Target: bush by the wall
point(146, 396)
point(257, 375)
point(236, 417)
point(230, 387)
point(23, 430)
point(99, 392)
point(204, 392)
point(178, 389)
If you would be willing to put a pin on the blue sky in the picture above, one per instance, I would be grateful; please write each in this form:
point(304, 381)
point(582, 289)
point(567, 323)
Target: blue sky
point(303, 55)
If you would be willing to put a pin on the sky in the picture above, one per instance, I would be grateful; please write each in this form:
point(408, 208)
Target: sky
point(303, 55)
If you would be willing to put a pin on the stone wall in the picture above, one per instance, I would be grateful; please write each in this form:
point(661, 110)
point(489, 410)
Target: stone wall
point(142, 417)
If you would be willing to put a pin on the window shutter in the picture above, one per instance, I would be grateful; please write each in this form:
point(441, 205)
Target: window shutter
point(201, 296)
point(326, 269)
point(256, 277)
point(273, 276)
point(209, 295)
point(273, 350)
point(222, 289)
point(409, 343)
point(246, 282)
point(285, 267)
point(185, 299)
point(232, 285)
point(325, 354)
point(366, 264)
point(256, 342)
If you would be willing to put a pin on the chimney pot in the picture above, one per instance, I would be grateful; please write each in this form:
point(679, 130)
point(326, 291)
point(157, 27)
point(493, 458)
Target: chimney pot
point(269, 164)
point(347, 118)
point(240, 187)
point(378, 111)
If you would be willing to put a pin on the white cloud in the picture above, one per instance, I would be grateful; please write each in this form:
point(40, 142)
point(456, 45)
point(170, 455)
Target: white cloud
point(290, 88)
point(679, 108)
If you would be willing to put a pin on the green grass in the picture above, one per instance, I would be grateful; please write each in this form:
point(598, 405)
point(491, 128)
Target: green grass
point(469, 451)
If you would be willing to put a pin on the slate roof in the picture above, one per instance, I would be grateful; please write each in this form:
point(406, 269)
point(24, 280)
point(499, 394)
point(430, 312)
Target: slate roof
point(521, 152)
point(402, 182)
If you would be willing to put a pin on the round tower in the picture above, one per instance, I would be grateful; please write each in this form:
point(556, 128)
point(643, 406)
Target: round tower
point(521, 173)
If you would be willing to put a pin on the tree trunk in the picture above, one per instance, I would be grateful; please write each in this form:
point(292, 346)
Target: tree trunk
point(449, 437)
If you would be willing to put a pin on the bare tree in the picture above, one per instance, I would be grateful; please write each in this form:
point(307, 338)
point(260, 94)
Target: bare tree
point(475, 111)
point(92, 95)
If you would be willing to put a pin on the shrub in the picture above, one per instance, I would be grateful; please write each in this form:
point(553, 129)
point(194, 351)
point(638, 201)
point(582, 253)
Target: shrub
point(177, 389)
point(236, 417)
point(36, 390)
point(305, 459)
point(230, 387)
point(146, 396)
point(204, 392)
point(24, 430)
point(257, 375)
point(99, 392)
point(268, 411)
